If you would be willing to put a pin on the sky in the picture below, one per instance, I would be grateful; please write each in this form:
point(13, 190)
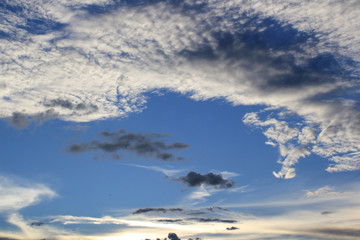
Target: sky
point(179, 119)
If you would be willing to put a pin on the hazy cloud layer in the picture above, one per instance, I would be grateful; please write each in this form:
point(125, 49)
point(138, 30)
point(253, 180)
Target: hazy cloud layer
point(141, 144)
point(296, 220)
point(194, 179)
point(88, 60)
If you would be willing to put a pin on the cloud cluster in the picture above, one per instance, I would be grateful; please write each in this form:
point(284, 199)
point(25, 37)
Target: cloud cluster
point(141, 144)
point(88, 60)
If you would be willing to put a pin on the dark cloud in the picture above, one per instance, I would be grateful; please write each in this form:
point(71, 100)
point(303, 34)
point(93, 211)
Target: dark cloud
point(212, 220)
point(36, 224)
point(173, 236)
point(139, 143)
point(231, 228)
point(67, 104)
point(194, 179)
point(170, 220)
point(274, 56)
point(213, 209)
point(22, 120)
point(19, 120)
point(161, 210)
point(326, 212)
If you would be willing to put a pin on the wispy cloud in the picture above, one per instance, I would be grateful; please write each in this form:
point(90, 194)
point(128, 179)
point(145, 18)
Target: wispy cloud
point(165, 171)
point(17, 193)
point(323, 192)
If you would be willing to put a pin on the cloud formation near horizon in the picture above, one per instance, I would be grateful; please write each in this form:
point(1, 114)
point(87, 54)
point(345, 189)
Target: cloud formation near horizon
point(248, 53)
point(141, 144)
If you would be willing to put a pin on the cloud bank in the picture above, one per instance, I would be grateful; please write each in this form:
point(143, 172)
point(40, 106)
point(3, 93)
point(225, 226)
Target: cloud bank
point(88, 60)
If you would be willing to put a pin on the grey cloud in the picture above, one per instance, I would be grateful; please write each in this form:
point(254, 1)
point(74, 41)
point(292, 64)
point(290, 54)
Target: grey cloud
point(219, 220)
point(173, 236)
point(36, 224)
point(194, 179)
point(19, 120)
point(232, 228)
point(326, 212)
point(22, 120)
point(271, 69)
point(170, 220)
point(139, 143)
point(67, 104)
point(214, 209)
point(157, 210)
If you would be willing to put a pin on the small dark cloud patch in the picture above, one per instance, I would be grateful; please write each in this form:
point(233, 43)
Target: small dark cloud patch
point(231, 228)
point(141, 144)
point(19, 120)
point(326, 212)
point(157, 210)
point(170, 220)
point(194, 179)
point(212, 220)
point(22, 120)
point(173, 236)
point(36, 224)
point(67, 104)
point(213, 209)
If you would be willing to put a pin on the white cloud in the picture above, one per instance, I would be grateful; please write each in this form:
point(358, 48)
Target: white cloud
point(167, 172)
point(109, 60)
point(17, 193)
point(326, 192)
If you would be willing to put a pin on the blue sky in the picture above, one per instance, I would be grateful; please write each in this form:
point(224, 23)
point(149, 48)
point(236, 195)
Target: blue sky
point(134, 120)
